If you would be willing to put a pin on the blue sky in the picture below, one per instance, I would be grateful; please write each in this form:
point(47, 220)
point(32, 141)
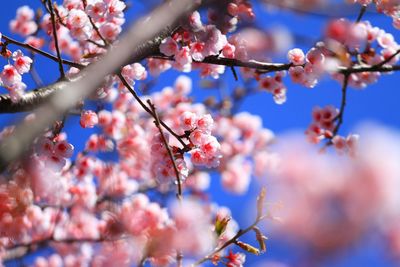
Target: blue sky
point(378, 102)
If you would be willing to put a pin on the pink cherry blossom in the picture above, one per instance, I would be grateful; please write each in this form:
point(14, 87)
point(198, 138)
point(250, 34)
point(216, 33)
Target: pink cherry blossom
point(89, 119)
point(169, 47)
point(10, 76)
point(21, 63)
point(296, 56)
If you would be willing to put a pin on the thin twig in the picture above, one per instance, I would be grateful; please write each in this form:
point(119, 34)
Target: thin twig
point(339, 117)
point(41, 52)
point(144, 106)
point(362, 12)
point(262, 67)
point(231, 241)
point(234, 73)
point(95, 27)
point(171, 156)
point(96, 43)
point(53, 22)
point(388, 59)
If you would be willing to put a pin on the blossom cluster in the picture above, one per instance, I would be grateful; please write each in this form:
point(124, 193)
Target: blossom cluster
point(54, 152)
point(11, 76)
point(323, 128)
point(196, 41)
point(24, 23)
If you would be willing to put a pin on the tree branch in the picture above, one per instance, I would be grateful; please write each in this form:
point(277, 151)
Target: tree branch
point(171, 156)
point(41, 52)
point(339, 117)
point(53, 23)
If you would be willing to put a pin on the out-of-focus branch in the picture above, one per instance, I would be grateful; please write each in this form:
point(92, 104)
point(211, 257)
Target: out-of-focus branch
point(234, 240)
point(135, 45)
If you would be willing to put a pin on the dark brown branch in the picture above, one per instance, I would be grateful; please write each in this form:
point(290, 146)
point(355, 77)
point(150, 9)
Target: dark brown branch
point(96, 43)
point(339, 117)
point(367, 68)
point(53, 22)
point(388, 59)
point(234, 73)
point(152, 47)
point(263, 67)
point(362, 12)
point(41, 52)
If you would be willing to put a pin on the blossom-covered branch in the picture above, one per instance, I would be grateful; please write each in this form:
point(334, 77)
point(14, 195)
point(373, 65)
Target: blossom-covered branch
point(143, 43)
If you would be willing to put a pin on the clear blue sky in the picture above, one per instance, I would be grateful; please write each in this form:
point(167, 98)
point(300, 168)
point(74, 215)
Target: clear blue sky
point(378, 102)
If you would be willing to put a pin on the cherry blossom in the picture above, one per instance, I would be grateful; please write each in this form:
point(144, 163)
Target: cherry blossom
point(24, 23)
point(88, 119)
point(21, 63)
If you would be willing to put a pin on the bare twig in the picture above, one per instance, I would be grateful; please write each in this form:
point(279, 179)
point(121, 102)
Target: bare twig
point(53, 22)
point(339, 117)
point(234, 240)
point(234, 73)
point(388, 59)
point(362, 12)
point(41, 52)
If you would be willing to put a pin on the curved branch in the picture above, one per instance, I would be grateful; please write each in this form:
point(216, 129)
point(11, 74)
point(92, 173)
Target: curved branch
point(41, 52)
